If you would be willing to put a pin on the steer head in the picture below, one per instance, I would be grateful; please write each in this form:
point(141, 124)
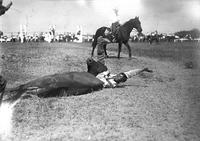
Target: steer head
point(95, 67)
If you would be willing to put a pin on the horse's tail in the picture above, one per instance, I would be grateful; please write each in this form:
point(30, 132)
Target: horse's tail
point(94, 43)
point(99, 32)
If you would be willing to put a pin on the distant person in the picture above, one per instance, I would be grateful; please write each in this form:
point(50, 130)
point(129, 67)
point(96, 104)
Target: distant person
point(3, 9)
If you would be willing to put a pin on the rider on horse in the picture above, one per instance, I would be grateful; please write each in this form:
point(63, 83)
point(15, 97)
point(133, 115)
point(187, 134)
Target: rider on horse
point(115, 29)
point(115, 24)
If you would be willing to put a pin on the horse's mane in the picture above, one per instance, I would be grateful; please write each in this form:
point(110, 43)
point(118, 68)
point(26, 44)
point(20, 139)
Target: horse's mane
point(129, 22)
point(129, 25)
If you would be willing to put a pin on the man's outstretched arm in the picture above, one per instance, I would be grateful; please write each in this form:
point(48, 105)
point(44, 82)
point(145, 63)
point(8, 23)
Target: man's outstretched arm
point(134, 72)
point(122, 77)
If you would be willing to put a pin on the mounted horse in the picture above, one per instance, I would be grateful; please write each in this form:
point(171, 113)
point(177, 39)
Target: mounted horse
point(121, 35)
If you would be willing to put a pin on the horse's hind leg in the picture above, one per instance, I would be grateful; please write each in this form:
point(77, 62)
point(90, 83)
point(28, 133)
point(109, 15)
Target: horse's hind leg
point(129, 50)
point(104, 48)
point(119, 49)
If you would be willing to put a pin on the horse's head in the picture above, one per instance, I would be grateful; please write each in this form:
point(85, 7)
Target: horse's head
point(137, 24)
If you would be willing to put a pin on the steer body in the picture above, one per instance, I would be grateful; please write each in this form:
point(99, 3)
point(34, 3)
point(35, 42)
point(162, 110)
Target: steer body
point(62, 84)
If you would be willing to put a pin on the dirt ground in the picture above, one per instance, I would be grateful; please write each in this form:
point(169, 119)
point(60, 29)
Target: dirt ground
point(162, 106)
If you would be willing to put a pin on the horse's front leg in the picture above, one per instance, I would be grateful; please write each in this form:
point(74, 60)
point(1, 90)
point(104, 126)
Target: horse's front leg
point(119, 49)
point(104, 48)
point(129, 50)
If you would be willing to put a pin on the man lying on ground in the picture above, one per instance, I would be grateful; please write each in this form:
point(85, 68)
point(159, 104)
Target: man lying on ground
point(110, 80)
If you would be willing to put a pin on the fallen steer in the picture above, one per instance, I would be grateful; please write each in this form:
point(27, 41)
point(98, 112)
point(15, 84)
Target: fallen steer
point(68, 83)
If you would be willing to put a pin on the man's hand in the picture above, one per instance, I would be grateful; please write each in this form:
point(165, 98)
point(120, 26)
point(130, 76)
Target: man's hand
point(106, 40)
point(147, 70)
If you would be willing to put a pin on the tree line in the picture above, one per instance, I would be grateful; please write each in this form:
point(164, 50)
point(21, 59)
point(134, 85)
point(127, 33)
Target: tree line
point(195, 33)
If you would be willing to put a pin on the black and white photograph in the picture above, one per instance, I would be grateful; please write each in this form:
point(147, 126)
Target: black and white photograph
point(99, 70)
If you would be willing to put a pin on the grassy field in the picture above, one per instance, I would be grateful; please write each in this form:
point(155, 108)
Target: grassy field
point(162, 106)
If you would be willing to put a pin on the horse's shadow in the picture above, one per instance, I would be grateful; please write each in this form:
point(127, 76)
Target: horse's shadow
point(111, 56)
point(125, 85)
point(115, 57)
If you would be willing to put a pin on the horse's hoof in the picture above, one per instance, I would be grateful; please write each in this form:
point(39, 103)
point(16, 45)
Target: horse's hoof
point(132, 57)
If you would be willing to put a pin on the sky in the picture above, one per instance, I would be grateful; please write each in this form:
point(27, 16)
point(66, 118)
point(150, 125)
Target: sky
point(166, 16)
